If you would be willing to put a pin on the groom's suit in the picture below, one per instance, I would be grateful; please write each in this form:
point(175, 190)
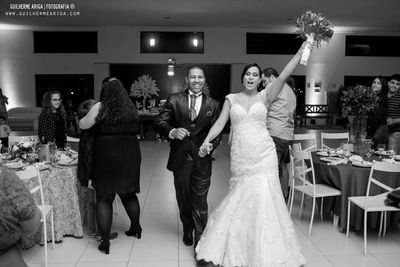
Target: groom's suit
point(191, 172)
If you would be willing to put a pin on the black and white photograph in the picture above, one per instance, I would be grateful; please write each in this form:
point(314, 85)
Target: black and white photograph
point(183, 133)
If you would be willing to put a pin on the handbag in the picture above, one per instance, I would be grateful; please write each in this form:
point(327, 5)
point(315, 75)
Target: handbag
point(393, 198)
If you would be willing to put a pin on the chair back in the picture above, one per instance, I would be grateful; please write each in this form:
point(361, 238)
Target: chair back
point(14, 139)
point(299, 169)
point(333, 136)
point(379, 166)
point(31, 173)
point(307, 141)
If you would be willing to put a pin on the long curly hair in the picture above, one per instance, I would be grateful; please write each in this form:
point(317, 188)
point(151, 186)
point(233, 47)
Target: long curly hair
point(46, 103)
point(116, 106)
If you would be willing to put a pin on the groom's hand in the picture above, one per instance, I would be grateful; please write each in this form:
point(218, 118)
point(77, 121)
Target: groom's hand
point(180, 133)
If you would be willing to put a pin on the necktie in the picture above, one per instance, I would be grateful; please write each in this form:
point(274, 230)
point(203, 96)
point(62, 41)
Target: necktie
point(193, 113)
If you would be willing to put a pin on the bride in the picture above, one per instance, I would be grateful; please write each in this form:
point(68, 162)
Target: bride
point(251, 226)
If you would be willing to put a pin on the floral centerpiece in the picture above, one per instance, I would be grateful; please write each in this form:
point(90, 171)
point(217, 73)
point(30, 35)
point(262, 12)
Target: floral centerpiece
point(356, 102)
point(25, 149)
point(315, 28)
point(146, 88)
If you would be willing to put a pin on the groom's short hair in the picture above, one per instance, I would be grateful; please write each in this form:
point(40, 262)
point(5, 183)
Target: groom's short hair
point(193, 67)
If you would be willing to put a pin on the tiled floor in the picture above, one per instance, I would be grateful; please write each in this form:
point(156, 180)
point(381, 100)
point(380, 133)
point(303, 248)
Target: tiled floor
point(161, 243)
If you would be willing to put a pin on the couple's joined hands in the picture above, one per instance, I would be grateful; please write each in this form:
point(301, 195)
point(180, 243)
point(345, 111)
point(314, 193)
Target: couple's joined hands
point(205, 149)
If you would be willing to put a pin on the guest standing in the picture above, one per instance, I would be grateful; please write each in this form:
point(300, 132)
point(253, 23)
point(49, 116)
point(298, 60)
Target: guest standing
point(3, 103)
point(377, 128)
point(52, 127)
point(393, 116)
point(116, 157)
point(280, 124)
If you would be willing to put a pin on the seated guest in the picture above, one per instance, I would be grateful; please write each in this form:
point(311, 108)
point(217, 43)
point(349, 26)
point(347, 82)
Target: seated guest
point(19, 218)
point(52, 120)
point(4, 131)
point(376, 122)
point(393, 114)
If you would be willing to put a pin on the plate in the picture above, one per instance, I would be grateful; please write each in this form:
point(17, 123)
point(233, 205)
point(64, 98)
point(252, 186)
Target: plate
point(70, 163)
point(330, 159)
point(383, 153)
point(16, 165)
point(364, 164)
point(42, 167)
point(396, 157)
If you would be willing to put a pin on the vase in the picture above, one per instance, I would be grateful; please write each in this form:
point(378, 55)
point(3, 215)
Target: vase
point(358, 126)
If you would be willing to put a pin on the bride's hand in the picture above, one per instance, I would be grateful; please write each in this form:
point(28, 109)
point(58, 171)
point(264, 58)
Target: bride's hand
point(205, 149)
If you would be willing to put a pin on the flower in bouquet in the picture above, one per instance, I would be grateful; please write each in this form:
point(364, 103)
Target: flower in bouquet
point(358, 100)
point(24, 148)
point(315, 28)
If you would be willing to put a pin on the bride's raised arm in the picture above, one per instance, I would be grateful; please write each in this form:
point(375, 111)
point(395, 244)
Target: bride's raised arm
point(276, 86)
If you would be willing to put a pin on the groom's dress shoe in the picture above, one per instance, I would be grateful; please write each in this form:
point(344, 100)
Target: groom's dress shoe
point(188, 238)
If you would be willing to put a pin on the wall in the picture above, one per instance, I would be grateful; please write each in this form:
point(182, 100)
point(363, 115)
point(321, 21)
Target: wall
point(18, 64)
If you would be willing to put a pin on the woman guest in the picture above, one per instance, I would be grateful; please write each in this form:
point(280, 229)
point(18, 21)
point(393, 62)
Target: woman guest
point(116, 157)
point(52, 126)
point(3, 103)
point(376, 122)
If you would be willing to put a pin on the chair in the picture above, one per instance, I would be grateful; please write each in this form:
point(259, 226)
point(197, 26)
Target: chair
point(374, 203)
point(308, 138)
point(46, 210)
point(333, 136)
point(74, 143)
point(310, 188)
point(13, 139)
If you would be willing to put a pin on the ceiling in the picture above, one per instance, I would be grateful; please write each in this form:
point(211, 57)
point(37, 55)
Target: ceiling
point(372, 16)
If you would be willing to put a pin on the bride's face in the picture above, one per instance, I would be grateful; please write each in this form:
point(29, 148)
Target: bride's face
point(251, 79)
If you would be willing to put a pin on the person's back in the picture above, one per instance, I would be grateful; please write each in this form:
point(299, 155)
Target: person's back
point(19, 218)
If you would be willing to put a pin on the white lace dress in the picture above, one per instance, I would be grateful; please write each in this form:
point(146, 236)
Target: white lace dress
point(251, 226)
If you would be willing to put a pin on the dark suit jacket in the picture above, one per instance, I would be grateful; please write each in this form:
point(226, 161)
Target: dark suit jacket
point(175, 114)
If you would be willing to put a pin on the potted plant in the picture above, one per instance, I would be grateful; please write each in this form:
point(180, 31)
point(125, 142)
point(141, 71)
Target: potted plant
point(356, 102)
point(145, 88)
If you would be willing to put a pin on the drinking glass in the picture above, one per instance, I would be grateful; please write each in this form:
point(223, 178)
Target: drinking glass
point(381, 148)
point(369, 153)
point(67, 148)
point(392, 151)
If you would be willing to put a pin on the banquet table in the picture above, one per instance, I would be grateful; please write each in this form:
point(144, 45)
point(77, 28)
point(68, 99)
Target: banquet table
point(352, 181)
point(71, 203)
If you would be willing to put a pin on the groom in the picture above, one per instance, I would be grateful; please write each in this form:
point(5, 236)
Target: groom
point(186, 119)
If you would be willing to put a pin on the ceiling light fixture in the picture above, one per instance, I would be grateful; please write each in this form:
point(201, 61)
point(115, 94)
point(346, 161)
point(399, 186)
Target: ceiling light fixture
point(171, 66)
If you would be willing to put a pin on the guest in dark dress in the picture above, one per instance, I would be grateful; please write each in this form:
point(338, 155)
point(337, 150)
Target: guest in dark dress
point(85, 155)
point(116, 157)
point(376, 122)
point(52, 126)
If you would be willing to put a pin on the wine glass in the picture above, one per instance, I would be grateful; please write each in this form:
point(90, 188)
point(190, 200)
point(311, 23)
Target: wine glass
point(67, 148)
point(392, 151)
point(381, 148)
point(369, 153)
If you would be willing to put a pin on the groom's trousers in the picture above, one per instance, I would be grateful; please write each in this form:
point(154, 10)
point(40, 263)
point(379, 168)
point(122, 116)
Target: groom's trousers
point(191, 188)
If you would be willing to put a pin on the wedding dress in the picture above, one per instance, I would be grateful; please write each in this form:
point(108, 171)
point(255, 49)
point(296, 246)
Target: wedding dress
point(251, 226)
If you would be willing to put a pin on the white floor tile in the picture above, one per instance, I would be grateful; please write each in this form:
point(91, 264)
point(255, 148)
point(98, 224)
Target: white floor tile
point(354, 260)
point(318, 261)
point(153, 264)
point(119, 252)
point(389, 260)
point(155, 251)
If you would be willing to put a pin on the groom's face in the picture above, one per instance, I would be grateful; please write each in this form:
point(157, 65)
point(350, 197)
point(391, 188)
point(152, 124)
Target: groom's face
point(196, 80)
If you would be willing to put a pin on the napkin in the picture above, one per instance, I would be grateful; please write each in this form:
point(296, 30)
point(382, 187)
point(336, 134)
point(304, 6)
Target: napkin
point(356, 158)
point(337, 162)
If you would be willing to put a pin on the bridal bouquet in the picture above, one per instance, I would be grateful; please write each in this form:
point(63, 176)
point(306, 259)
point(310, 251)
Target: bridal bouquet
point(313, 28)
point(24, 149)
